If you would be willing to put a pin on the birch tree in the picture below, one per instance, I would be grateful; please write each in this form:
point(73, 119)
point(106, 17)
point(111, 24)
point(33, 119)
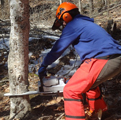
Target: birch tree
point(18, 58)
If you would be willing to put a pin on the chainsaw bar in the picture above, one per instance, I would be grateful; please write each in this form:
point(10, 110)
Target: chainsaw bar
point(51, 85)
point(27, 93)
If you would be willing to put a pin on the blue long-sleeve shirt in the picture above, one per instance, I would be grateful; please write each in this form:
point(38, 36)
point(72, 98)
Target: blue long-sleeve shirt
point(89, 40)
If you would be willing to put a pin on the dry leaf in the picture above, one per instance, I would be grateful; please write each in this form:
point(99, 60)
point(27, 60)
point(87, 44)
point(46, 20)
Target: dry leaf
point(2, 118)
point(52, 102)
point(7, 90)
point(99, 114)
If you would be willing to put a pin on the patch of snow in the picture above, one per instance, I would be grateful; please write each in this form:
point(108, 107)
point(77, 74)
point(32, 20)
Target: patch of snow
point(70, 69)
point(54, 64)
point(32, 38)
point(51, 37)
point(31, 68)
point(4, 43)
point(30, 54)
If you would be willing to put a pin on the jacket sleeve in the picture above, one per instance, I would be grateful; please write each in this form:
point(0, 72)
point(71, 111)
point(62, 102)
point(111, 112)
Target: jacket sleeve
point(67, 38)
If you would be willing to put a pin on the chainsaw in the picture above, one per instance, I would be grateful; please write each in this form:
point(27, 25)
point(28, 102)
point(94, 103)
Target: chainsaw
point(46, 86)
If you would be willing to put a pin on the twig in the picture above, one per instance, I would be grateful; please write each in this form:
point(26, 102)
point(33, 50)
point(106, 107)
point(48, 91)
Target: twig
point(6, 80)
point(43, 109)
point(60, 116)
point(106, 10)
point(16, 113)
point(4, 20)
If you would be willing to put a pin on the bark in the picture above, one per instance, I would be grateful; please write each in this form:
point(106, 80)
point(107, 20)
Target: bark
point(60, 1)
point(91, 7)
point(18, 58)
point(2, 3)
point(80, 6)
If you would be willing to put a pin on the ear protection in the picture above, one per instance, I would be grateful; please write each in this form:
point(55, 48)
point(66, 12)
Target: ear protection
point(66, 17)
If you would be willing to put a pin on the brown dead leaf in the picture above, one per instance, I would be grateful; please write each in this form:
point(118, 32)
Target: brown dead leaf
point(2, 118)
point(99, 114)
point(63, 118)
point(60, 108)
point(52, 102)
point(7, 90)
point(59, 99)
point(55, 101)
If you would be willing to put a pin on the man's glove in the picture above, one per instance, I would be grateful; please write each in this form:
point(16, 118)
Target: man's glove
point(42, 71)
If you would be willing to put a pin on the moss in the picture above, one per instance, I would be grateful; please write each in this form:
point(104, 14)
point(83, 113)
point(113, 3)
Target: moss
point(32, 96)
point(32, 75)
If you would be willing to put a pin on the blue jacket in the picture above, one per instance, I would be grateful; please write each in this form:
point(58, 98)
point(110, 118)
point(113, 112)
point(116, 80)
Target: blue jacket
point(89, 40)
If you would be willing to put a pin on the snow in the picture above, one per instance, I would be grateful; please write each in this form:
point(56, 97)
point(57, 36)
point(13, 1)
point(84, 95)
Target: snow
point(74, 63)
point(4, 43)
point(67, 69)
point(51, 37)
point(32, 38)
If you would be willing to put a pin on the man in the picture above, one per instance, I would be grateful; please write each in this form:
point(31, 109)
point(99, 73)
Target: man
point(99, 53)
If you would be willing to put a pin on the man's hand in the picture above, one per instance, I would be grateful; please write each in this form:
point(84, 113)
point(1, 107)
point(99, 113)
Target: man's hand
point(42, 71)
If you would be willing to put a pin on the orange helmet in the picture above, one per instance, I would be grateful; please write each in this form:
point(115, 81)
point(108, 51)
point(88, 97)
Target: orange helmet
point(63, 14)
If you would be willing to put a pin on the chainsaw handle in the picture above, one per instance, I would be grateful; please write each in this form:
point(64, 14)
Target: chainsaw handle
point(41, 81)
point(41, 73)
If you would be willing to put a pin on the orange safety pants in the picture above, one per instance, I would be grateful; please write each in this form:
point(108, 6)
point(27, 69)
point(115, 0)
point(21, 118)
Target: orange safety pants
point(79, 83)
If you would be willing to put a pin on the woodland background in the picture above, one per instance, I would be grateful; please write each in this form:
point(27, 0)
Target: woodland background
point(107, 14)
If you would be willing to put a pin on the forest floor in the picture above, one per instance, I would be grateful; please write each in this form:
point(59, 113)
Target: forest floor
point(51, 107)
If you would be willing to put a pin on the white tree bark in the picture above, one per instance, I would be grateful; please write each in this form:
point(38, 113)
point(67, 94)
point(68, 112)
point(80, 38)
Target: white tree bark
point(60, 1)
point(80, 6)
point(18, 57)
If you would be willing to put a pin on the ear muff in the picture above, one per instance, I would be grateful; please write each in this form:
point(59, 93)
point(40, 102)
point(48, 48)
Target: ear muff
point(66, 17)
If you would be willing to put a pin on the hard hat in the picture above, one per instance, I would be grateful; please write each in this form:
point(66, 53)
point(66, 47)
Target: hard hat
point(63, 13)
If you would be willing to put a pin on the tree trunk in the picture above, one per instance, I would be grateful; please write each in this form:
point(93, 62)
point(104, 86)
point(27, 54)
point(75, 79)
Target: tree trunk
point(80, 6)
point(91, 7)
point(2, 3)
point(60, 1)
point(18, 58)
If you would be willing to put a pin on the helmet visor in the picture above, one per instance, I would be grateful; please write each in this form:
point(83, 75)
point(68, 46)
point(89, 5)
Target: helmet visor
point(57, 23)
